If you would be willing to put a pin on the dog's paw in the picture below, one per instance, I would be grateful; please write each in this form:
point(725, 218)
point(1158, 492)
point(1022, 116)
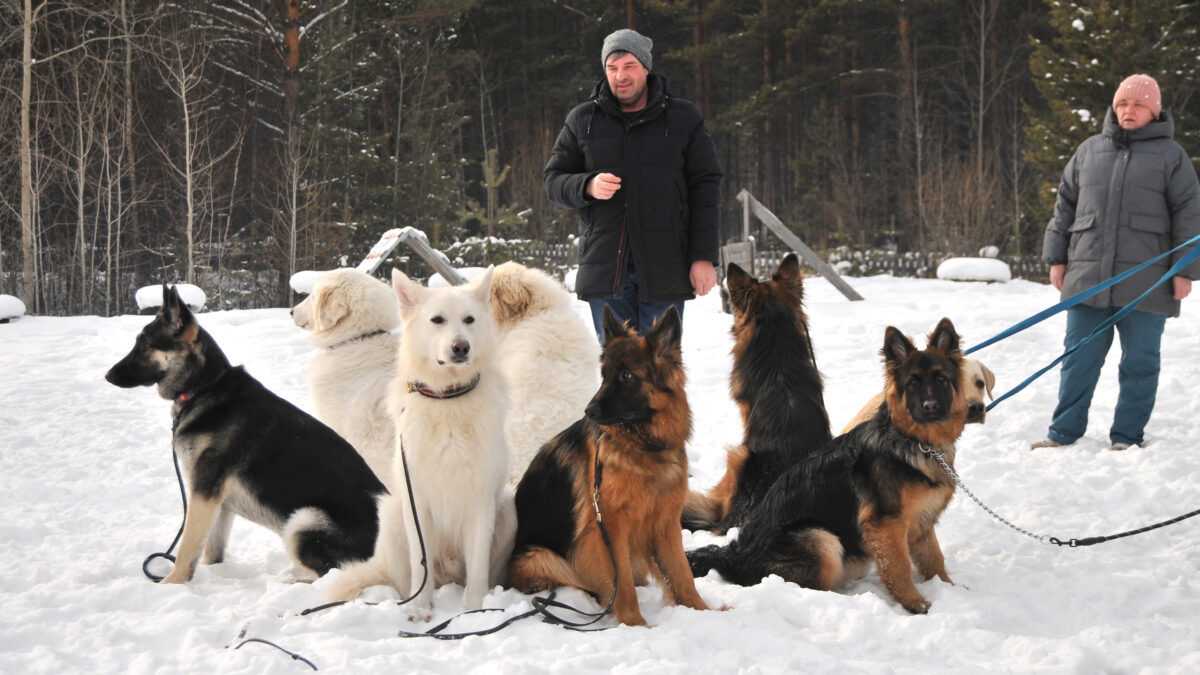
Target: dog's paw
point(175, 578)
point(918, 607)
point(418, 612)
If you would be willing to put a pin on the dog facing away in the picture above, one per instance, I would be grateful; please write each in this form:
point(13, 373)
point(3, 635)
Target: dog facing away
point(245, 451)
point(871, 495)
point(633, 433)
point(351, 317)
point(777, 387)
point(449, 401)
point(549, 355)
point(978, 381)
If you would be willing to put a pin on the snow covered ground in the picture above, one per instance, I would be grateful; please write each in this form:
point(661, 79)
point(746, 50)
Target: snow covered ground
point(87, 490)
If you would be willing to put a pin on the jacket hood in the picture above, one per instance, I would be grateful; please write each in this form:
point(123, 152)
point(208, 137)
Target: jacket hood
point(656, 93)
point(1162, 127)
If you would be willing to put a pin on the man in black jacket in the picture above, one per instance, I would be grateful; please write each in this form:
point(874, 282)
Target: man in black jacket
point(641, 169)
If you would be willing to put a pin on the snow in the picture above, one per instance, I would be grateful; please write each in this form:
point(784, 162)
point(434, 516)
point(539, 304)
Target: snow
point(974, 269)
point(302, 281)
point(11, 307)
point(88, 490)
point(150, 297)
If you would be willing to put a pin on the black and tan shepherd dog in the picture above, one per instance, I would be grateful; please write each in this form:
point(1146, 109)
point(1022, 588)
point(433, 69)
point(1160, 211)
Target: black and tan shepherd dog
point(870, 495)
point(633, 433)
point(778, 389)
point(245, 451)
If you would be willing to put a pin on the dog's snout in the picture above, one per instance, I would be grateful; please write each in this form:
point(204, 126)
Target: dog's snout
point(460, 349)
point(592, 410)
point(975, 411)
point(931, 407)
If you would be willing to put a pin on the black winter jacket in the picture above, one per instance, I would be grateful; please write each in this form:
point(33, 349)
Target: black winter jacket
point(664, 217)
point(1124, 198)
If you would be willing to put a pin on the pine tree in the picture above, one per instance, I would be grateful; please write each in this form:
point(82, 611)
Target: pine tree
point(1097, 44)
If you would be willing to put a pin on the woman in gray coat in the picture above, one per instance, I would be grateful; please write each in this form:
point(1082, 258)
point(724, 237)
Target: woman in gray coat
point(1127, 195)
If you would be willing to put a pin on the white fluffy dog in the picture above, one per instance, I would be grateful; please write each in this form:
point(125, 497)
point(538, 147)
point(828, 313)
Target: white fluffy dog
point(449, 401)
point(549, 355)
point(352, 316)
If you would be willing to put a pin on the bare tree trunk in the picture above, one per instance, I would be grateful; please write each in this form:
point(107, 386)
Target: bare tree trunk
point(29, 284)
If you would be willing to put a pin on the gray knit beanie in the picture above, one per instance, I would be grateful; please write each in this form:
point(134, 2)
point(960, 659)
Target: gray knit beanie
point(626, 40)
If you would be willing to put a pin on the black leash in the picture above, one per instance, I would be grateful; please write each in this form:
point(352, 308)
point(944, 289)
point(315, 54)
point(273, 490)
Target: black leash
point(1045, 538)
point(167, 555)
point(412, 505)
point(541, 606)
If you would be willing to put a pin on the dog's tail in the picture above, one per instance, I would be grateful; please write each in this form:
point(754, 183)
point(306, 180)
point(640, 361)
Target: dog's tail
point(700, 512)
point(354, 579)
point(809, 557)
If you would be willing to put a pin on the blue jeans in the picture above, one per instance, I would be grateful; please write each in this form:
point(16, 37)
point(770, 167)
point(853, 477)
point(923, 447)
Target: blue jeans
point(641, 315)
point(1141, 335)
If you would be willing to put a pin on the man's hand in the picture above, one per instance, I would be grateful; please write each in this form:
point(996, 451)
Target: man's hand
point(1183, 287)
point(603, 185)
point(703, 276)
point(1057, 272)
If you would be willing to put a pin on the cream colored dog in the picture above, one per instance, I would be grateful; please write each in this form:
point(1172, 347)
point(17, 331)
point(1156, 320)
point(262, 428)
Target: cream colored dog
point(448, 401)
point(351, 316)
point(549, 355)
point(978, 380)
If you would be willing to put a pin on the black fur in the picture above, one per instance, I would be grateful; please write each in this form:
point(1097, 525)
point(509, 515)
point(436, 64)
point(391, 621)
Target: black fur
point(776, 383)
point(545, 497)
point(864, 473)
point(233, 436)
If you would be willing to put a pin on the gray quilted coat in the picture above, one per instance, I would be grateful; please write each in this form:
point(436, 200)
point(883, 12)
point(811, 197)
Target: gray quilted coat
point(1125, 197)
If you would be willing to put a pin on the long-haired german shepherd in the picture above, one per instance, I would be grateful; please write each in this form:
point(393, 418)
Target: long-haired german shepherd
point(633, 433)
point(245, 451)
point(870, 495)
point(776, 385)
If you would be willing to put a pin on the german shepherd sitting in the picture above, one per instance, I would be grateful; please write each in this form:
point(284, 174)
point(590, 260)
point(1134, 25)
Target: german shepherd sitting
point(245, 451)
point(776, 385)
point(633, 433)
point(870, 495)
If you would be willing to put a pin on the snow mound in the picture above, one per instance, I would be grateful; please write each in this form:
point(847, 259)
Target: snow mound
point(302, 281)
point(150, 297)
point(974, 269)
point(11, 308)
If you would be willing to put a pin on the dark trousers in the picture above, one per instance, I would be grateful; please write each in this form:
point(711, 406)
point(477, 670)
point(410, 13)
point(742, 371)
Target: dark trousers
point(641, 315)
point(1141, 335)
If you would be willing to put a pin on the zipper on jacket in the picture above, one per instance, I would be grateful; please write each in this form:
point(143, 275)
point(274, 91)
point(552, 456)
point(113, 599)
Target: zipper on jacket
point(620, 251)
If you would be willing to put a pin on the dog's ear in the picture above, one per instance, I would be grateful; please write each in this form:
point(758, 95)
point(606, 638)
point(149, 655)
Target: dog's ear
point(896, 347)
point(789, 270)
point(510, 298)
point(328, 307)
point(944, 338)
point(613, 329)
point(481, 285)
point(665, 338)
point(408, 292)
point(740, 285)
point(180, 322)
point(989, 379)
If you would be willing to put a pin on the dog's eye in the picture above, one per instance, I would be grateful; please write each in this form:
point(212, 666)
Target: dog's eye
point(468, 319)
point(438, 319)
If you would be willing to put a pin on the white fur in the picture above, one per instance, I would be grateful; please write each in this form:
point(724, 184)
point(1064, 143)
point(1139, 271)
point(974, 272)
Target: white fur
point(456, 454)
point(351, 375)
point(549, 355)
point(548, 352)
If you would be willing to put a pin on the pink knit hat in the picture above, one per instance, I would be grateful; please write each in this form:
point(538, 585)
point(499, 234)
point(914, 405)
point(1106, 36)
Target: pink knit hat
point(1140, 87)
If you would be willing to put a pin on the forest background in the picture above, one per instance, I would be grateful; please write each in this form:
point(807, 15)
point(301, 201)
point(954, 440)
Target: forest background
point(231, 143)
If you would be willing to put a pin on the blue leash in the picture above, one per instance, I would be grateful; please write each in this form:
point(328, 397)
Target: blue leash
point(1080, 297)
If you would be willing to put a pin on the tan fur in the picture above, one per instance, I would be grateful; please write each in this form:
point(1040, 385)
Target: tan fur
point(642, 490)
point(201, 512)
point(714, 504)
